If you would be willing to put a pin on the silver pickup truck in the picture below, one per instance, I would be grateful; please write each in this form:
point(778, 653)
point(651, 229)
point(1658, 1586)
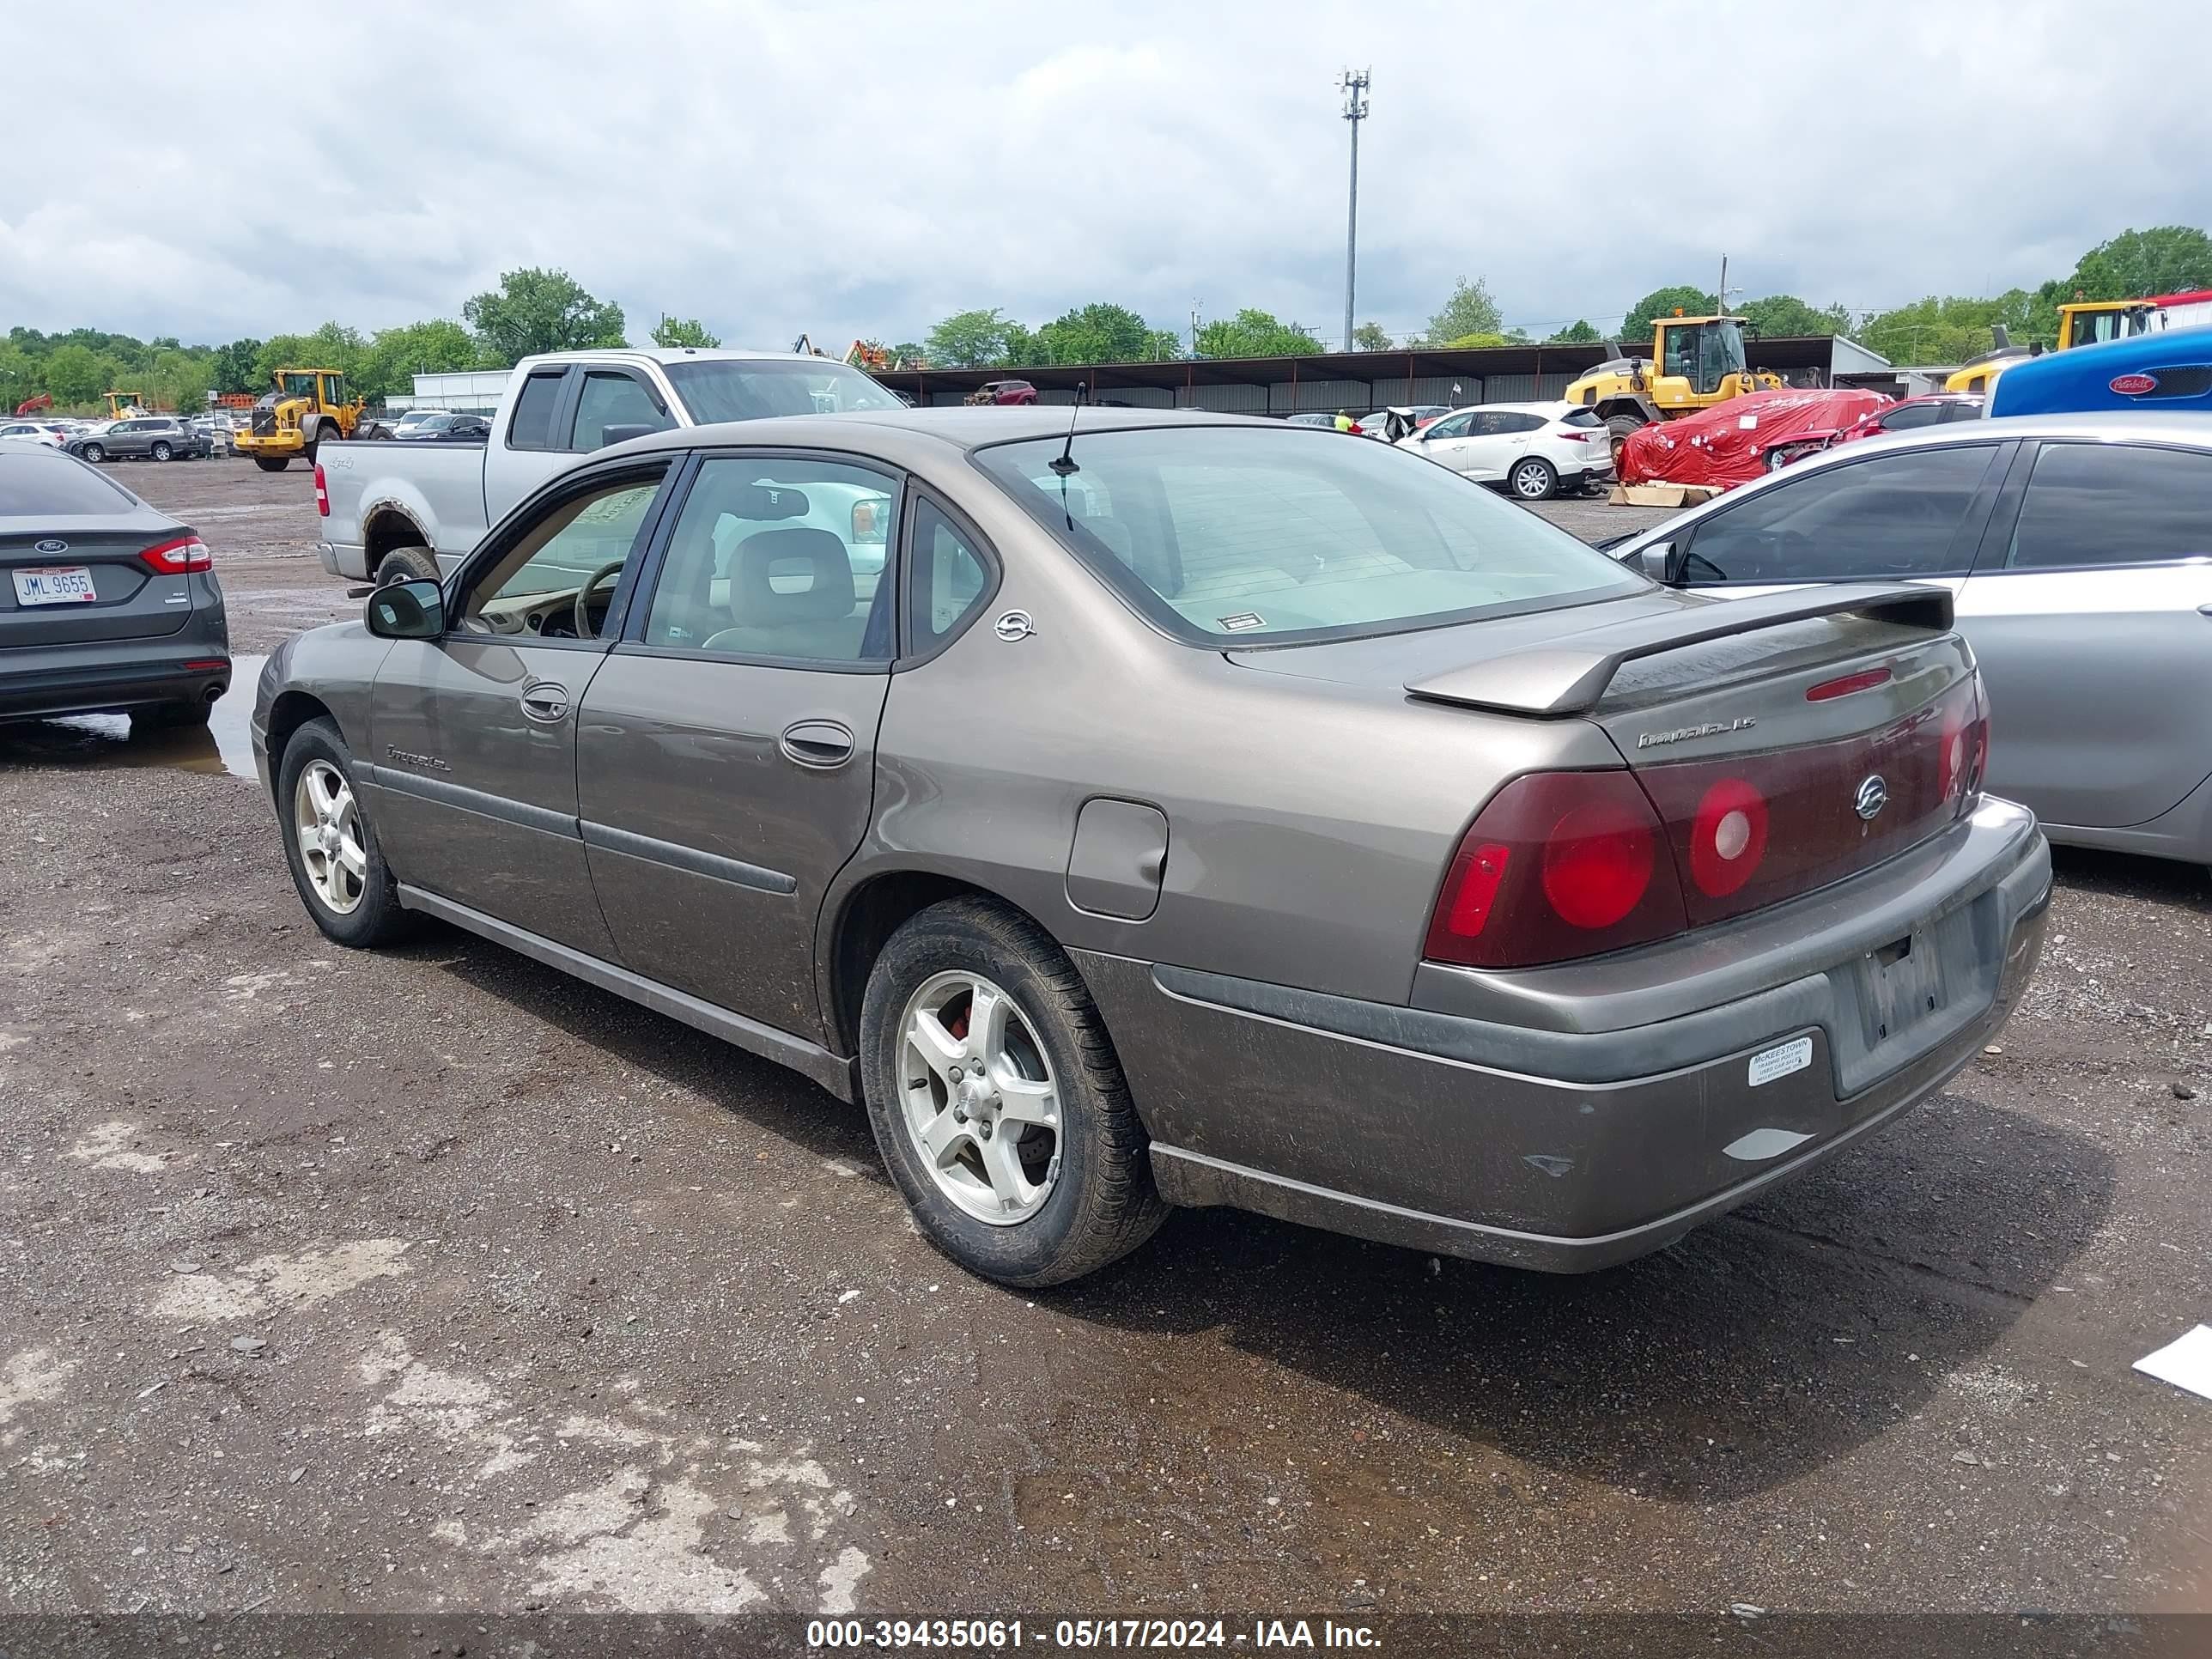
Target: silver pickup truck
point(394, 510)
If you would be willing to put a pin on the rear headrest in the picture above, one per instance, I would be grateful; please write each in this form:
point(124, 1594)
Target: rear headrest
point(789, 557)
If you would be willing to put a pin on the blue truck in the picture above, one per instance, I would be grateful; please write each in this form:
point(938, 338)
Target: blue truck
point(2161, 371)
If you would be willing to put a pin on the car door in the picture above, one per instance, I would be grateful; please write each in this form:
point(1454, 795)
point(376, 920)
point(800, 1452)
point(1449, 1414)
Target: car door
point(126, 440)
point(472, 737)
point(726, 750)
point(1484, 453)
point(1903, 516)
point(2090, 608)
point(1445, 440)
point(525, 453)
point(607, 398)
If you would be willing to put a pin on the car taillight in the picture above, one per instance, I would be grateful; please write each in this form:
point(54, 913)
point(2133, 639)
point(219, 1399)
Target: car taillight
point(1967, 747)
point(1571, 435)
point(174, 558)
point(1559, 865)
point(322, 492)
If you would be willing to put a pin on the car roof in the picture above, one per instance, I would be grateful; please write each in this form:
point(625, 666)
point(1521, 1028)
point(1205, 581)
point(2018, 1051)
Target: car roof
point(960, 428)
point(2193, 429)
point(677, 355)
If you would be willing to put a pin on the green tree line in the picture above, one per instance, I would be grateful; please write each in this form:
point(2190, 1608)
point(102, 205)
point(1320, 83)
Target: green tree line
point(536, 310)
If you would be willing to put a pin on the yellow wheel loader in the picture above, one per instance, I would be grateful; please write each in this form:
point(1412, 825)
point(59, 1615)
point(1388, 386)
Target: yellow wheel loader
point(306, 406)
point(1695, 362)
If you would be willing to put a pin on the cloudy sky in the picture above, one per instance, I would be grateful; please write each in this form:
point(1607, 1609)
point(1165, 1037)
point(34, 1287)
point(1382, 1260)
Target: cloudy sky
point(864, 169)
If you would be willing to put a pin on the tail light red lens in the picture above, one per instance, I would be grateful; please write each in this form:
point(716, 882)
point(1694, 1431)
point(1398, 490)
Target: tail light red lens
point(1559, 864)
point(174, 558)
point(322, 492)
point(1569, 434)
point(1562, 865)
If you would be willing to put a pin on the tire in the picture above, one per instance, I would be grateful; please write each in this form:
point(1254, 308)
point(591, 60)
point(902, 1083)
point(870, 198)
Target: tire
point(1094, 1201)
point(95, 453)
point(174, 716)
point(1533, 478)
point(161, 452)
point(1618, 429)
point(407, 564)
point(272, 463)
point(374, 916)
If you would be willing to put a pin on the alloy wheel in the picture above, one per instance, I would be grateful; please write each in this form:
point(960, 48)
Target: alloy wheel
point(1531, 480)
point(327, 825)
point(978, 1098)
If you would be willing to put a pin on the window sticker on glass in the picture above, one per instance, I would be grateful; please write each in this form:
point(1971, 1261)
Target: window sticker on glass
point(1241, 621)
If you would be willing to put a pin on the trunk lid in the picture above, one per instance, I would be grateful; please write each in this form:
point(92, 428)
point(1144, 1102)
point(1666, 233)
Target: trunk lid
point(39, 590)
point(1784, 743)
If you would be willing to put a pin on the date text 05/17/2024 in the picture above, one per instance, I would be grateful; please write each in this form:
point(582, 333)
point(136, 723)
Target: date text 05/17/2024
point(992, 1635)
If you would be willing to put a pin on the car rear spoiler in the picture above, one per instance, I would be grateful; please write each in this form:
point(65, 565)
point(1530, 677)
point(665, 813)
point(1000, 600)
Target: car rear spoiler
point(1571, 676)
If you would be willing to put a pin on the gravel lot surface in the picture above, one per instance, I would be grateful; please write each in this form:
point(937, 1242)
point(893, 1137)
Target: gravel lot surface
point(431, 1280)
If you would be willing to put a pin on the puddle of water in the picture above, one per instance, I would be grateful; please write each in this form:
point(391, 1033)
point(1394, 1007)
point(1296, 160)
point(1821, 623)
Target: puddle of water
point(225, 744)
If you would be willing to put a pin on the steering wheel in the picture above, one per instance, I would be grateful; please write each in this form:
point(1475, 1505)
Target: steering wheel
point(583, 629)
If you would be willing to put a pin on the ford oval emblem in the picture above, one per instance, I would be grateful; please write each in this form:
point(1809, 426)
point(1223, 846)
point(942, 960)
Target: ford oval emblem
point(1872, 796)
point(2133, 385)
point(52, 544)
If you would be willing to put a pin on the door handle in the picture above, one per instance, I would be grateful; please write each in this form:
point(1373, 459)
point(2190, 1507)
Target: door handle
point(545, 702)
point(821, 745)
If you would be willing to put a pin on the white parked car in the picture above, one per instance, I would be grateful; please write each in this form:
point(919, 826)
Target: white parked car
point(49, 433)
point(1534, 450)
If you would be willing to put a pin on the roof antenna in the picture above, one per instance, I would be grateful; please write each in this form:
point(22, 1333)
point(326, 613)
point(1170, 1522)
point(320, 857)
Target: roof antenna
point(1067, 463)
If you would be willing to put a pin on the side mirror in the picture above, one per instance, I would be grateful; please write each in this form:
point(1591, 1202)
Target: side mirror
point(407, 610)
point(1657, 561)
point(611, 436)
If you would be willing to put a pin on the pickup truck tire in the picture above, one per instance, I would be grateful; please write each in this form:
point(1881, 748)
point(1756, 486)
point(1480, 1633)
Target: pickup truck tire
point(404, 564)
point(1098, 1202)
point(272, 463)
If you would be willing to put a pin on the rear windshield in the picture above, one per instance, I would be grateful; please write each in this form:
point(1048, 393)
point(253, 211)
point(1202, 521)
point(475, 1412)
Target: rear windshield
point(37, 484)
point(1580, 418)
point(1279, 534)
point(736, 389)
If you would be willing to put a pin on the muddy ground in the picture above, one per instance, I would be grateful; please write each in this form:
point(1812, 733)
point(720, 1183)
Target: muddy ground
point(430, 1279)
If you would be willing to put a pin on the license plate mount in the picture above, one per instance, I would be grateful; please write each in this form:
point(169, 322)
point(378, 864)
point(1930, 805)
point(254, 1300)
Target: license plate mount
point(1904, 982)
point(55, 584)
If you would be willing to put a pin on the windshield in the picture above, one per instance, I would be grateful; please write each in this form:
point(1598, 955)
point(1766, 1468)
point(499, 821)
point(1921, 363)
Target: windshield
point(1279, 534)
point(739, 389)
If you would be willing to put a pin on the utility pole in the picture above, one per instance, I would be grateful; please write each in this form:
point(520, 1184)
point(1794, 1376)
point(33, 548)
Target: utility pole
point(1720, 298)
point(1353, 82)
point(1194, 327)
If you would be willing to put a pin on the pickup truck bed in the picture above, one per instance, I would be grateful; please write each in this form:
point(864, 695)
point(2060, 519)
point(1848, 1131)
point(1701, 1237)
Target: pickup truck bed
point(437, 501)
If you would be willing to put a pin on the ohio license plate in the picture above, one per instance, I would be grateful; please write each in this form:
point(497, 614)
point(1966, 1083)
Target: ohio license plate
point(57, 584)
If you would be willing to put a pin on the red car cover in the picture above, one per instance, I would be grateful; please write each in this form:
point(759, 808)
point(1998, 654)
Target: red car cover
point(1727, 445)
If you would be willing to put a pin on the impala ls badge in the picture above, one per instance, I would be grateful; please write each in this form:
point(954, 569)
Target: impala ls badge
point(1872, 796)
point(1683, 733)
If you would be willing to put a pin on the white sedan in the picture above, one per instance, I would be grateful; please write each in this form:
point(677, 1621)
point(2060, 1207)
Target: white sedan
point(1535, 450)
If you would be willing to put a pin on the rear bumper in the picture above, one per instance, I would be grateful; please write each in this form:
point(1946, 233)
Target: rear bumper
point(1558, 1140)
point(111, 685)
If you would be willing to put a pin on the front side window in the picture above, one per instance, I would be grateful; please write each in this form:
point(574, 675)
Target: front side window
point(1271, 535)
point(611, 397)
point(2095, 504)
point(578, 549)
point(1894, 516)
point(780, 558)
point(1452, 426)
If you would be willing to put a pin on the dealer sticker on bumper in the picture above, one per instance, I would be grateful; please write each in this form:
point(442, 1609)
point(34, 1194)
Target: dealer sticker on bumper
point(1781, 1059)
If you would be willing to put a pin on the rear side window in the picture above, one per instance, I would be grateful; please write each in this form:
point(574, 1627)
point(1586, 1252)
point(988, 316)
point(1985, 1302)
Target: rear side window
point(1911, 414)
point(1580, 418)
point(1520, 423)
point(2102, 504)
point(949, 577)
point(1890, 517)
point(532, 425)
point(36, 484)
